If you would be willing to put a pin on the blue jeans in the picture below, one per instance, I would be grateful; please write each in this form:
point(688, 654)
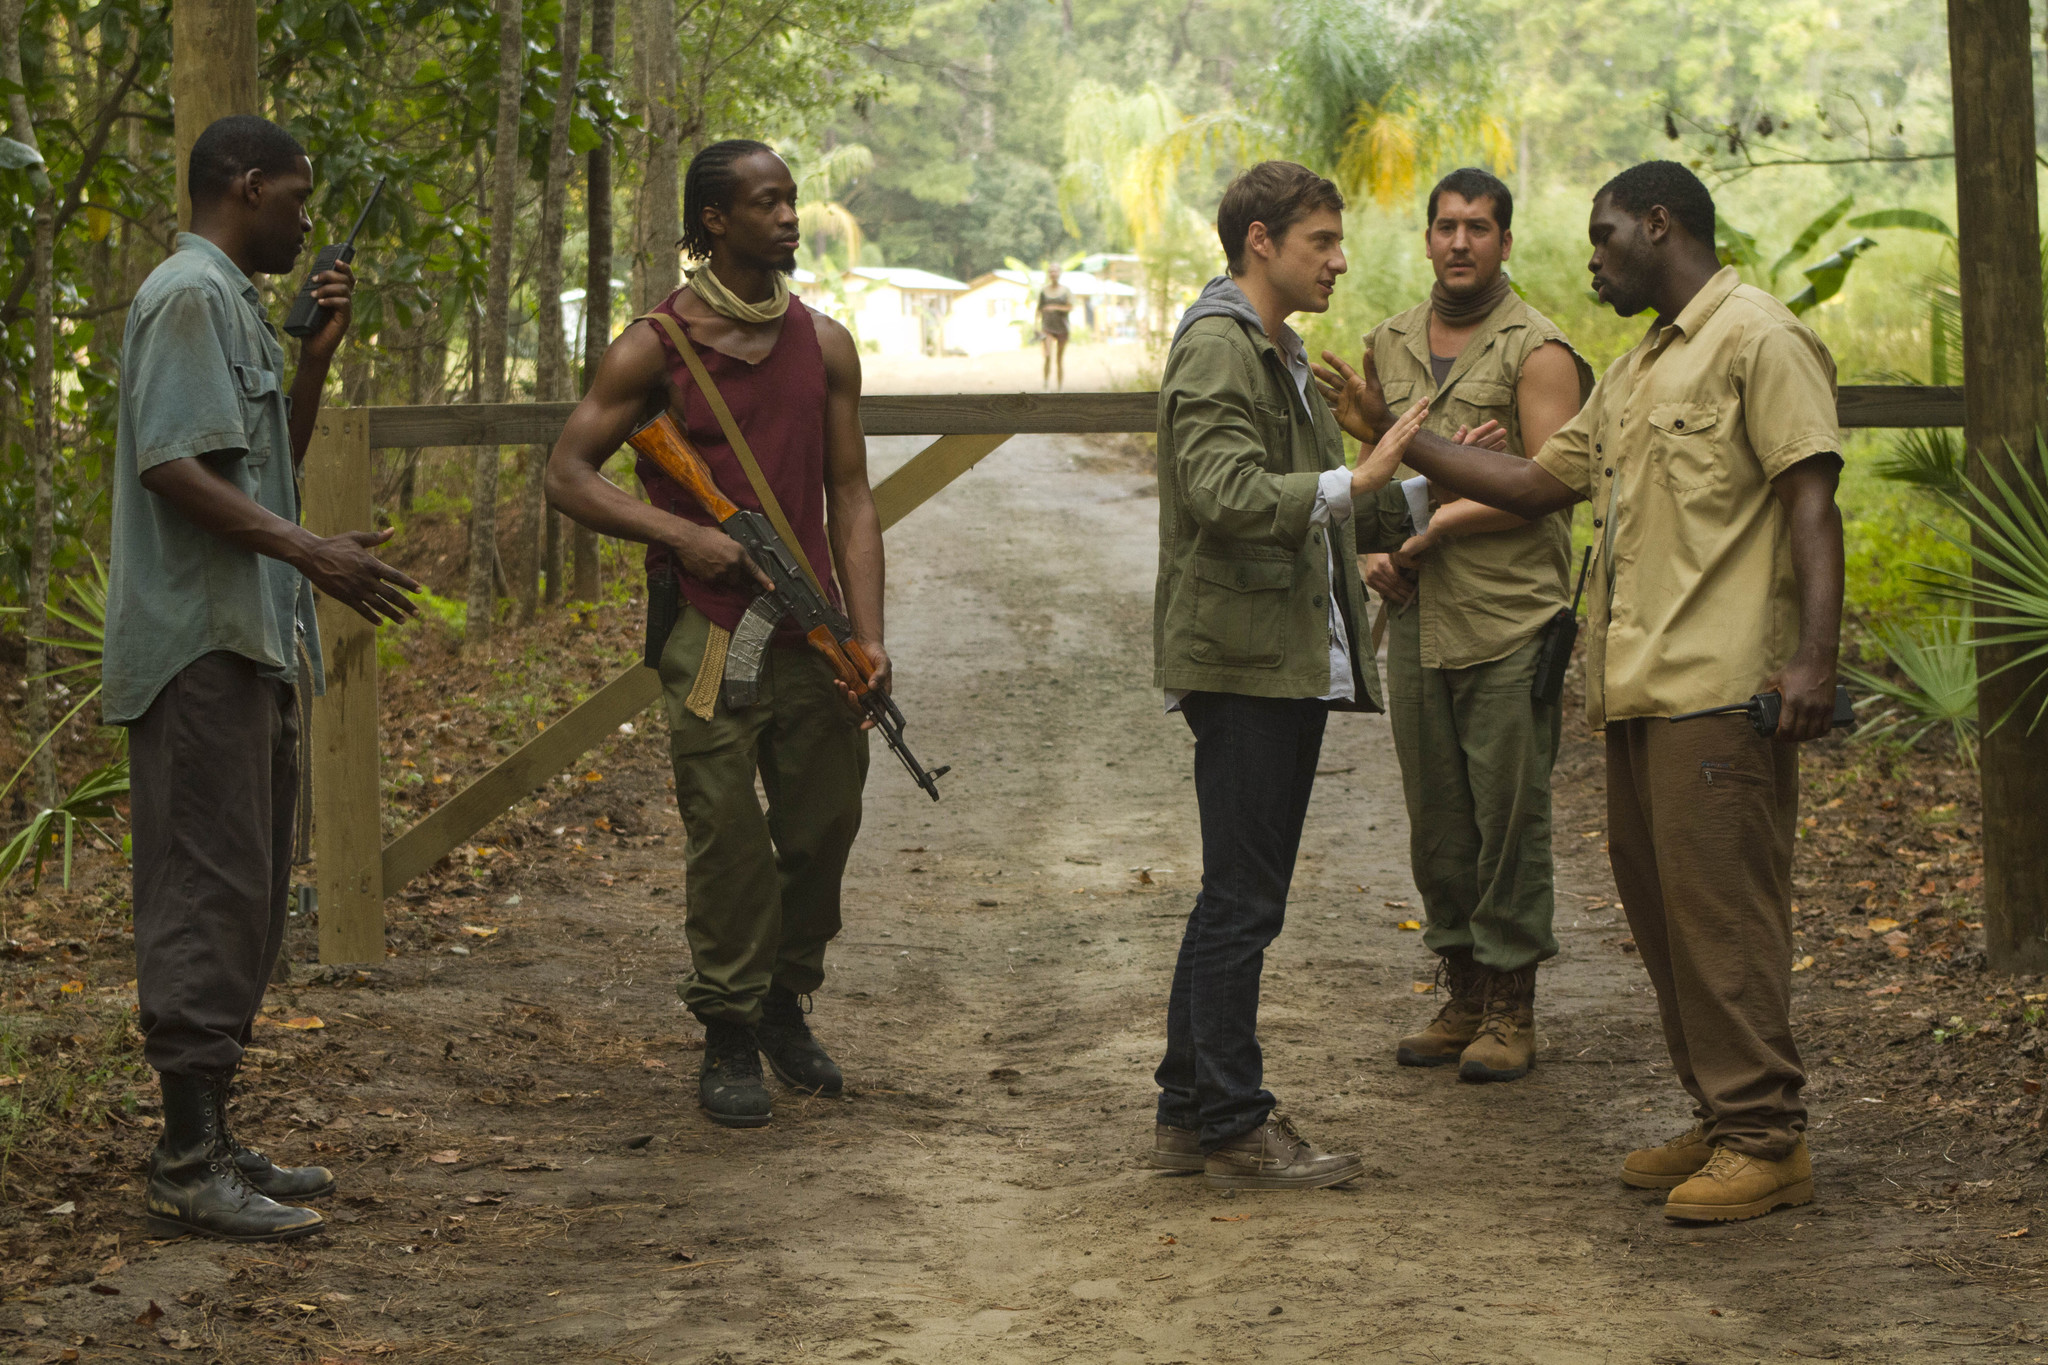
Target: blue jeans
point(1255, 765)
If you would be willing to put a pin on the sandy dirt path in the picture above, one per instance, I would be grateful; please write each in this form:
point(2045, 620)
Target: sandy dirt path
point(527, 1177)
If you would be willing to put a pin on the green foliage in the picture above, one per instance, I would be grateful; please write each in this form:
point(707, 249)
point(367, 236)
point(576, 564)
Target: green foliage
point(59, 826)
point(2007, 546)
point(1929, 458)
point(1936, 686)
point(1827, 274)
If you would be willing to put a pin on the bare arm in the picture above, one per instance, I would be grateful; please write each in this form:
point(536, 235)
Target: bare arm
point(1546, 397)
point(631, 381)
point(316, 354)
point(340, 566)
point(851, 521)
point(1807, 682)
point(1509, 482)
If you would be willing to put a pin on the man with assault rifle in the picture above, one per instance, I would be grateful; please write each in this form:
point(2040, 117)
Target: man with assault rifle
point(755, 408)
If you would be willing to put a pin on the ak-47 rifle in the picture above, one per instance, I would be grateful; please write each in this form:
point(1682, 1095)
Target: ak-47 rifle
point(794, 595)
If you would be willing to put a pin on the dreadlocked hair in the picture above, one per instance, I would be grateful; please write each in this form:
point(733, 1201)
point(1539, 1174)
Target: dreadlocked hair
point(710, 184)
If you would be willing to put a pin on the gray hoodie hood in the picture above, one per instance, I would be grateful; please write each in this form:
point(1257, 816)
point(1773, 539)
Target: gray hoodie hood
point(1220, 298)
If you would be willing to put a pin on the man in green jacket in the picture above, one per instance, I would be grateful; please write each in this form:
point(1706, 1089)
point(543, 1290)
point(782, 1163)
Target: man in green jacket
point(1257, 625)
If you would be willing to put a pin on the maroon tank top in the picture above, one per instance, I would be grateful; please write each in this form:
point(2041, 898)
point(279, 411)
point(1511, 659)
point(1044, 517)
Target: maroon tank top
point(779, 405)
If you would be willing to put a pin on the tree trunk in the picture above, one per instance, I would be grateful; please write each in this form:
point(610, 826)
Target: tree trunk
point(551, 364)
point(483, 514)
point(597, 279)
point(42, 436)
point(657, 225)
point(213, 74)
point(2005, 357)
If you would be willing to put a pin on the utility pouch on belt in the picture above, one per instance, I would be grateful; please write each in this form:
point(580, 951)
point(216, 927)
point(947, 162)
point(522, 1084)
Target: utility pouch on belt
point(1560, 633)
point(664, 609)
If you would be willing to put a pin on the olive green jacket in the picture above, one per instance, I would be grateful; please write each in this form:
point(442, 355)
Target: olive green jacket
point(1242, 603)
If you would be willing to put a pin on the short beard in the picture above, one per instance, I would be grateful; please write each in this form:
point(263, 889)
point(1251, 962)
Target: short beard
point(1470, 290)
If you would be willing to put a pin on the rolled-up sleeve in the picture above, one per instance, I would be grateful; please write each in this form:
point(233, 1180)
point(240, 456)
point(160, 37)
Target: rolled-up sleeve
point(181, 378)
point(1787, 381)
point(1216, 441)
point(1568, 455)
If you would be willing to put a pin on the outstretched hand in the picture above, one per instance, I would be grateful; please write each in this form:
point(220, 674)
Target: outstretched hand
point(342, 567)
point(1354, 396)
point(1377, 464)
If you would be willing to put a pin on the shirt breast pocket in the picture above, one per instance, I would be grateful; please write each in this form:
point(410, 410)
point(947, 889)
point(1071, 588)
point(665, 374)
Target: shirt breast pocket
point(262, 405)
point(1274, 424)
point(1686, 446)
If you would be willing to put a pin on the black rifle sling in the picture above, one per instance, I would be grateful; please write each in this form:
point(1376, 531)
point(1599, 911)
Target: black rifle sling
point(735, 438)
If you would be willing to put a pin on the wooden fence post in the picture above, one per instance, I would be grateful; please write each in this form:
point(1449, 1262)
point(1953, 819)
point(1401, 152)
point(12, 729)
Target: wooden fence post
point(347, 806)
point(2005, 367)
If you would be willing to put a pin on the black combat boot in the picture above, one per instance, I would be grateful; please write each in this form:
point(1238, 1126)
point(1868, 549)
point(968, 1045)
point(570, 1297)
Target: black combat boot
point(194, 1183)
point(792, 1052)
point(729, 1087)
point(279, 1182)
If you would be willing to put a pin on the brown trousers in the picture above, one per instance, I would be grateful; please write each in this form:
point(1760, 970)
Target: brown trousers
point(1700, 822)
point(215, 768)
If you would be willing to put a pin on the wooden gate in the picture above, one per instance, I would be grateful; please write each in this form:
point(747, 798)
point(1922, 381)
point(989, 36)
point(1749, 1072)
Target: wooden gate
point(357, 868)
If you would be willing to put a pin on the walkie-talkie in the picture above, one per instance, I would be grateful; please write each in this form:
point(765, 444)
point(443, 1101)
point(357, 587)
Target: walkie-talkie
point(1560, 633)
point(307, 316)
point(1764, 708)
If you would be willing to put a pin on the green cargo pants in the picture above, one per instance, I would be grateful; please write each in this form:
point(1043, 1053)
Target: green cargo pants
point(763, 885)
point(1476, 753)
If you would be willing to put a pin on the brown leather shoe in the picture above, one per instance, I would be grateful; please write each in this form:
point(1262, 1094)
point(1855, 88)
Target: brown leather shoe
point(1274, 1156)
point(1174, 1149)
point(1734, 1186)
point(1504, 1047)
point(1669, 1166)
point(1457, 1023)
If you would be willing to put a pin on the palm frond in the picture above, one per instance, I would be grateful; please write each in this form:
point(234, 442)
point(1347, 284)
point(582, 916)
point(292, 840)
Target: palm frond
point(1939, 668)
point(1927, 457)
point(59, 826)
point(2007, 547)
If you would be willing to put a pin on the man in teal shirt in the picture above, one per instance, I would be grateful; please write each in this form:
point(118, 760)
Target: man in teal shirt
point(209, 613)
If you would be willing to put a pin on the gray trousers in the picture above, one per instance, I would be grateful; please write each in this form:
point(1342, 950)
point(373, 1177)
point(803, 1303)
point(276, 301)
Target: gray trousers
point(214, 764)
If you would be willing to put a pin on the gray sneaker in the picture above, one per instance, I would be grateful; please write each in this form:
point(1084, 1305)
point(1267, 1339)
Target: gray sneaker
point(1274, 1156)
point(1174, 1149)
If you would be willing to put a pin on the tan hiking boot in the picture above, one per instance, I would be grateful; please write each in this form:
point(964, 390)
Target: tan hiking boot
point(1457, 1023)
point(1274, 1156)
point(1504, 1048)
point(1669, 1166)
point(1733, 1186)
point(1174, 1149)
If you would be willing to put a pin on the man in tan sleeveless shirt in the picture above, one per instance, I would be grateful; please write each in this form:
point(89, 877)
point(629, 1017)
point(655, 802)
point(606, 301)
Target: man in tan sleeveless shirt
point(1466, 598)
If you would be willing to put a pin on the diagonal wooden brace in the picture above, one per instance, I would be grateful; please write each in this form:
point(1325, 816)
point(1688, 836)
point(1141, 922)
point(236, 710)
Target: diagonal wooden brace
point(632, 692)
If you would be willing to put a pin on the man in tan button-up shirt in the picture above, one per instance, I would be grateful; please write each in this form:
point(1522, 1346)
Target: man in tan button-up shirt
point(1709, 456)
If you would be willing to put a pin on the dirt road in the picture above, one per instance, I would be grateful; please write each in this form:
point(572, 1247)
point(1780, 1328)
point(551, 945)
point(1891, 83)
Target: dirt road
point(527, 1177)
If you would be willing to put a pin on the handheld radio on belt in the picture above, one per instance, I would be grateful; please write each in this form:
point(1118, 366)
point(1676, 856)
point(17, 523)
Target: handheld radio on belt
point(1560, 633)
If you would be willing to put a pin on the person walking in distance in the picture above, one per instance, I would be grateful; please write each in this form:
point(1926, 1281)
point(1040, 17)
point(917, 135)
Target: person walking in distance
point(1257, 624)
point(733, 343)
point(1709, 453)
point(1055, 306)
point(1467, 596)
point(209, 619)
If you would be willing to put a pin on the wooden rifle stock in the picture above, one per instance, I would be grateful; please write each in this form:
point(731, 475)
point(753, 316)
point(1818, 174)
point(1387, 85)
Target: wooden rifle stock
point(663, 442)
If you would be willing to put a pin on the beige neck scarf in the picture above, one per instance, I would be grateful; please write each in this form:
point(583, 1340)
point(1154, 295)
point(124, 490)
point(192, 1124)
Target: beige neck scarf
point(708, 287)
point(1462, 310)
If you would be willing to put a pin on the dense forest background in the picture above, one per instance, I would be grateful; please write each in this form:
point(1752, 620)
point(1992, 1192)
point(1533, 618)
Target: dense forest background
point(953, 135)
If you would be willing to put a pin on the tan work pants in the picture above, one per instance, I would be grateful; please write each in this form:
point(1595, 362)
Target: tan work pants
point(1700, 819)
